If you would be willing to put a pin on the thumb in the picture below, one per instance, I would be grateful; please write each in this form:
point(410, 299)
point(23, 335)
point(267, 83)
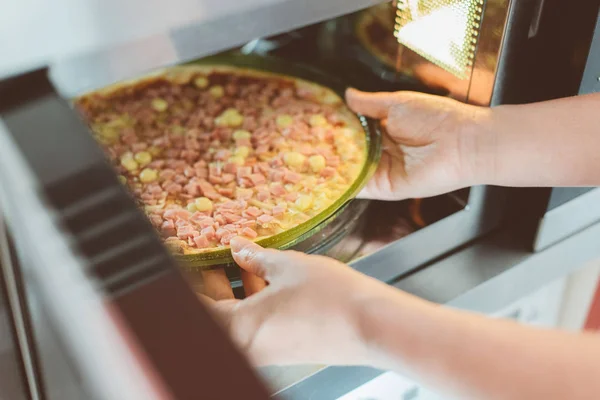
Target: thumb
point(374, 105)
point(264, 263)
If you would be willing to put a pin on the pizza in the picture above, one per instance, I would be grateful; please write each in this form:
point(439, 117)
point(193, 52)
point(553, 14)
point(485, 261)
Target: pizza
point(214, 152)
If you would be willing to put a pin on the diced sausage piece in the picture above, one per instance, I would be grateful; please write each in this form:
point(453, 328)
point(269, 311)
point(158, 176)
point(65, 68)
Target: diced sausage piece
point(190, 155)
point(258, 179)
point(278, 190)
point(264, 219)
point(333, 161)
point(263, 195)
point(208, 232)
point(156, 220)
point(242, 193)
point(182, 222)
point(180, 179)
point(243, 172)
point(172, 153)
point(221, 232)
point(157, 164)
point(328, 172)
point(231, 218)
point(208, 190)
point(220, 219)
point(276, 162)
point(184, 232)
point(147, 197)
point(292, 177)
point(192, 189)
point(228, 178)
point(189, 172)
point(168, 228)
point(262, 149)
point(279, 210)
point(249, 232)
point(214, 179)
point(206, 222)
point(276, 175)
point(154, 189)
point(200, 164)
point(215, 169)
point(227, 192)
point(244, 223)
point(174, 188)
point(252, 212)
point(230, 205)
point(243, 142)
point(167, 174)
point(201, 242)
point(291, 196)
point(222, 155)
point(202, 173)
point(226, 239)
point(177, 213)
point(230, 227)
point(230, 168)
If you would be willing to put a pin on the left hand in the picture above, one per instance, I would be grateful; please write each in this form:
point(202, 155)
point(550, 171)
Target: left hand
point(308, 313)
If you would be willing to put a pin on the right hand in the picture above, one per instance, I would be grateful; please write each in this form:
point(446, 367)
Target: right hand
point(311, 312)
point(433, 144)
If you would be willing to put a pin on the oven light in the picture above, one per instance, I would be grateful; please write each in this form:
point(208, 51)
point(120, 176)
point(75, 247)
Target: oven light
point(442, 31)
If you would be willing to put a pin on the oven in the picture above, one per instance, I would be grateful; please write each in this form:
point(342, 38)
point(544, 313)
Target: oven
point(479, 248)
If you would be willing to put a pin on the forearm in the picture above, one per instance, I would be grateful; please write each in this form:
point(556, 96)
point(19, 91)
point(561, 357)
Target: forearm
point(474, 357)
point(553, 143)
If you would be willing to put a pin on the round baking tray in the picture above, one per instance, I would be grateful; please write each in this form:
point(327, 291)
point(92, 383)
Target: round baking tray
point(300, 234)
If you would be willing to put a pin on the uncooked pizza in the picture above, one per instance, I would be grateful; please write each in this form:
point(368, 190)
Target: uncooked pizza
point(213, 152)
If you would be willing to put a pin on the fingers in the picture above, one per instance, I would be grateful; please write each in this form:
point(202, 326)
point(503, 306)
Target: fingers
point(264, 263)
point(252, 283)
point(216, 285)
point(374, 105)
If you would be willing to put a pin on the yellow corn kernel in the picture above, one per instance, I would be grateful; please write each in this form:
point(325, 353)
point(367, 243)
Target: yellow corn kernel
point(216, 91)
point(178, 130)
point(242, 151)
point(230, 117)
point(154, 151)
point(128, 162)
point(148, 175)
point(293, 159)
point(283, 121)
point(241, 134)
point(348, 132)
point(317, 120)
point(160, 104)
point(304, 202)
point(192, 207)
point(143, 158)
point(316, 162)
point(203, 204)
point(238, 160)
point(201, 82)
point(109, 134)
point(122, 179)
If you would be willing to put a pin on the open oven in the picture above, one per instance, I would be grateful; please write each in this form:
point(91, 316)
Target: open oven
point(485, 52)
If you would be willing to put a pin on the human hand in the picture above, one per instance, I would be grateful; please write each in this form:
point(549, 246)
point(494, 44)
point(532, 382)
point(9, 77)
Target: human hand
point(308, 313)
point(432, 144)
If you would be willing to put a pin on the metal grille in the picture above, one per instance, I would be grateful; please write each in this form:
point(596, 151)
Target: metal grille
point(444, 32)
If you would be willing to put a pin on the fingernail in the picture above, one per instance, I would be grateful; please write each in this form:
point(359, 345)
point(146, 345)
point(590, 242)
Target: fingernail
point(237, 243)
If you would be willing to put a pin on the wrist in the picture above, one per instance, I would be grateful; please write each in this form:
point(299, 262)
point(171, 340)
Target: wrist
point(479, 146)
point(385, 324)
